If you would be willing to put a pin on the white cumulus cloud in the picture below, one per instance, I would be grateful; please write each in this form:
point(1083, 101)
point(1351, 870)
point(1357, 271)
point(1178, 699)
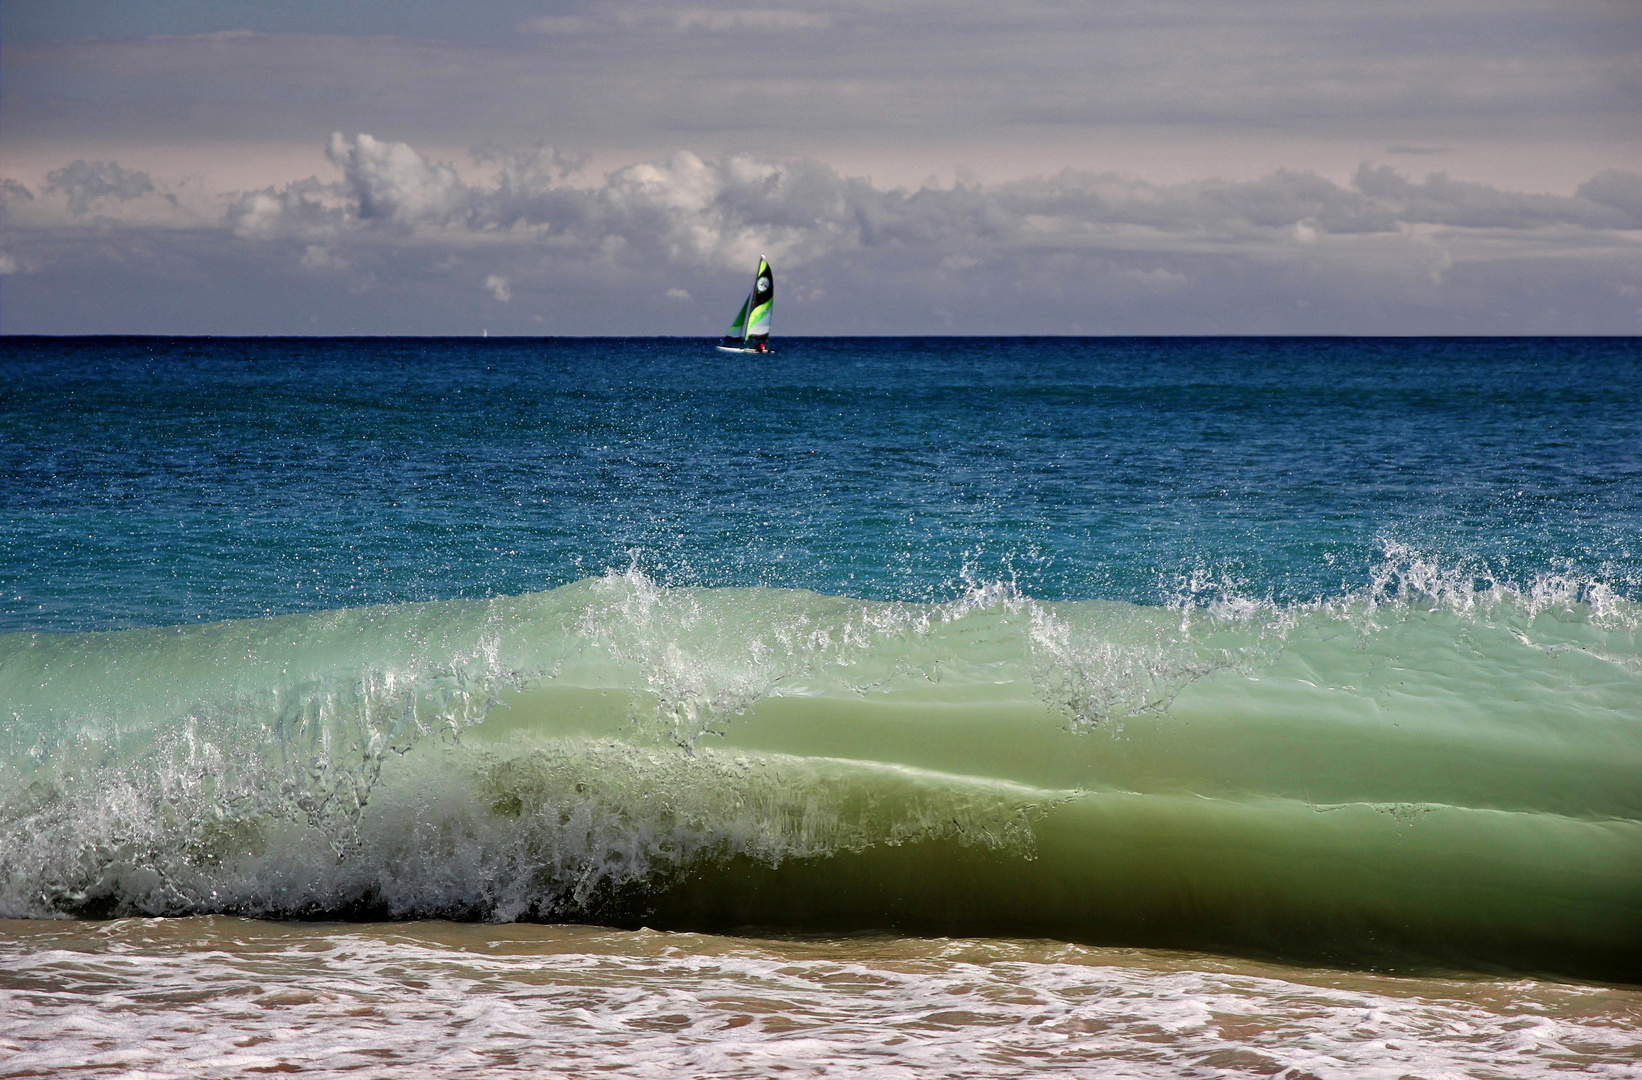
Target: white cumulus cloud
point(392, 182)
point(305, 208)
point(1292, 251)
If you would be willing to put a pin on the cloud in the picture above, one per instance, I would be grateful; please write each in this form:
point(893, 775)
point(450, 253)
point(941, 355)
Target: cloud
point(306, 208)
point(1158, 279)
point(725, 20)
point(87, 183)
point(955, 82)
point(11, 192)
point(1621, 191)
point(1074, 251)
point(390, 182)
point(523, 166)
point(723, 213)
point(679, 20)
point(556, 24)
point(727, 128)
point(319, 257)
point(1442, 201)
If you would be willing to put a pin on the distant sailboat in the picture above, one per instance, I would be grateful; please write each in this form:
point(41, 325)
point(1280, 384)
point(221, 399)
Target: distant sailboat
point(750, 332)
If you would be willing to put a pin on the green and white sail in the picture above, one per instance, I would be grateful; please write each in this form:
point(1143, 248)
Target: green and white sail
point(762, 300)
point(738, 329)
point(752, 322)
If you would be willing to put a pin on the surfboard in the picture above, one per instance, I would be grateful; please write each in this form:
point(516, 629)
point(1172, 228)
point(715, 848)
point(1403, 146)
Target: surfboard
point(738, 348)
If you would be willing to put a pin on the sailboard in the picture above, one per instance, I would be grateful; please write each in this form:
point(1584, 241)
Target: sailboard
point(751, 327)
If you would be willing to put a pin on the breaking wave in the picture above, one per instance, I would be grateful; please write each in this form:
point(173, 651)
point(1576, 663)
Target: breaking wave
point(1439, 768)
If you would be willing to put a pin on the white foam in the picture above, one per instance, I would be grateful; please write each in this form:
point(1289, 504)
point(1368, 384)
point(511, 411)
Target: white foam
point(225, 997)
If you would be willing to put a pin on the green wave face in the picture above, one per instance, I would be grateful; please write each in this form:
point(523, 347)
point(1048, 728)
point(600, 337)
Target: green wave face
point(1438, 776)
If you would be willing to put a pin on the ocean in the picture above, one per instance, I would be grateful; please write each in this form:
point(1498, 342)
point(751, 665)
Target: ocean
point(980, 707)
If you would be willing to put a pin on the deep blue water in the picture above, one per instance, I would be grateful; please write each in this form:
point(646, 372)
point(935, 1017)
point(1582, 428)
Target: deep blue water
point(148, 481)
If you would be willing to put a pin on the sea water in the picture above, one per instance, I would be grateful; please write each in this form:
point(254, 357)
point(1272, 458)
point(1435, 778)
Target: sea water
point(1126, 707)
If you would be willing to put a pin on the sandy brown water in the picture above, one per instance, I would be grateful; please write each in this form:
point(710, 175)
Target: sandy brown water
point(222, 997)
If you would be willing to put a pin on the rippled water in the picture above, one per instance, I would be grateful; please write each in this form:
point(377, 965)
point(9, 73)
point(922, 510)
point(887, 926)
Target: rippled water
point(209, 997)
point(154, 481)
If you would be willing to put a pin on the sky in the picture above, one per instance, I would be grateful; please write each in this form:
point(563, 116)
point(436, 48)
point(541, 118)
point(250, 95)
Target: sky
point(909, 166)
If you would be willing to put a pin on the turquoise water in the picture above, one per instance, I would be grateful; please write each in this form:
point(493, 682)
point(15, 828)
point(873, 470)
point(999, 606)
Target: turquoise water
point(1323, 650)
